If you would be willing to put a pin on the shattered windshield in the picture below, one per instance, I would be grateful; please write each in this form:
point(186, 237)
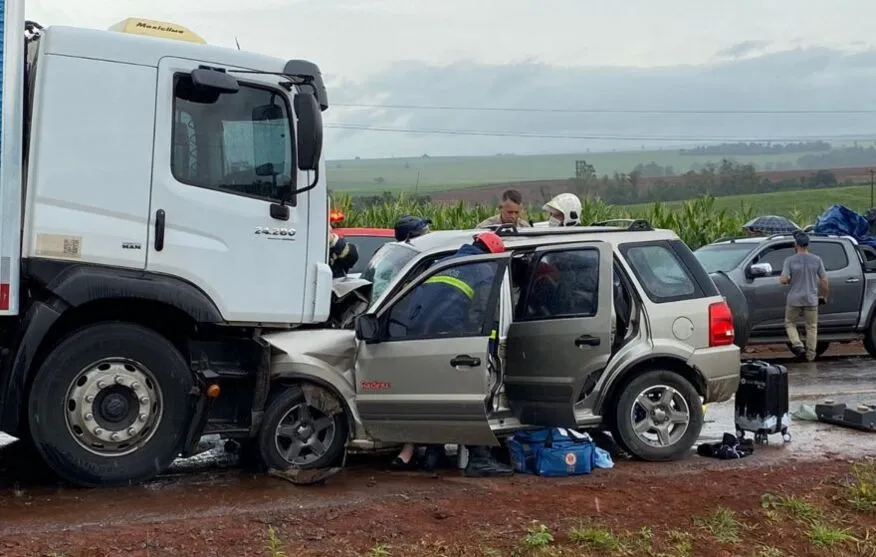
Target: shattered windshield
point(385, 265)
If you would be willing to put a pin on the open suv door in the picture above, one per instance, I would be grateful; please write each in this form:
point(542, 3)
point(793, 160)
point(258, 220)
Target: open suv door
point(561, 332)
point(429, 388)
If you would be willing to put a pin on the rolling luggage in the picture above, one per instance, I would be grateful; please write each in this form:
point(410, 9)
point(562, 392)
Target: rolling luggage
point(762, 401)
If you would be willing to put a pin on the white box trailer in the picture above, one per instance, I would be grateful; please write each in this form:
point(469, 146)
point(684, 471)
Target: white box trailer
point(163, 203)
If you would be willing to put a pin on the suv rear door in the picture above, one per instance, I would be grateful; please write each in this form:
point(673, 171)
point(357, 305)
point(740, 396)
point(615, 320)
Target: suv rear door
point(430, 388)
point(561, 332)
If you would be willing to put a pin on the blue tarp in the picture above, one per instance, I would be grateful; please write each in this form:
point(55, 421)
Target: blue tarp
point(842, 221)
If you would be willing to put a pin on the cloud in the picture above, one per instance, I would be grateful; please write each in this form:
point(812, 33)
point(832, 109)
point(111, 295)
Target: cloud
point(744, 48)
point(799, 79)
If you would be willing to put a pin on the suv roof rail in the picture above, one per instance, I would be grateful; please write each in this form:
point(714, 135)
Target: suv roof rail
point(631, 225)
point(731, 238)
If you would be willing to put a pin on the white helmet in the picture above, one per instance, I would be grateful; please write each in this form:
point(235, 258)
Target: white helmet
point(569, 205)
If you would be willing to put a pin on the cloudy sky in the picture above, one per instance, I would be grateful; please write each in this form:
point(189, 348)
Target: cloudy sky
point(534, 63)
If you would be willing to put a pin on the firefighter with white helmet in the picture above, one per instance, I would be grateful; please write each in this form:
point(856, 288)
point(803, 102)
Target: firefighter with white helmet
point(564, 209)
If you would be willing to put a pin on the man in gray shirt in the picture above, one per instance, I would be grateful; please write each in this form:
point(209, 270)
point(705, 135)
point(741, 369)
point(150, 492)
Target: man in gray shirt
point(804, 273)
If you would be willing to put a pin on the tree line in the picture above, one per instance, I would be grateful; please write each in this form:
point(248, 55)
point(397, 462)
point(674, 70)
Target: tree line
point(714, 179)
point(758, 148)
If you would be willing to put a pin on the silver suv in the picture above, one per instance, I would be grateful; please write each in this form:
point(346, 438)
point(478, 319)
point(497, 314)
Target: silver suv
point(615, 327)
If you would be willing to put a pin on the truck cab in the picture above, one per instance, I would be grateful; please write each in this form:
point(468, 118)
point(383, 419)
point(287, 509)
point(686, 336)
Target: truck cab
point(164, 202)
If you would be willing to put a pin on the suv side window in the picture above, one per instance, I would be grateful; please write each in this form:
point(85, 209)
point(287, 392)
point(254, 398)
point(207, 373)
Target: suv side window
point(451, 303)
point(662, 274)
point(239, 144)
point(833, 254)
point(562, 284)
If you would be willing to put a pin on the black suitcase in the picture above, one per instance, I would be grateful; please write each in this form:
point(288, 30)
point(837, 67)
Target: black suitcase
point(762, 401)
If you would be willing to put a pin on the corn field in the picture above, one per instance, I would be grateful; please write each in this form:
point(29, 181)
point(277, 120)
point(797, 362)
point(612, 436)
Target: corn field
point(697, 222)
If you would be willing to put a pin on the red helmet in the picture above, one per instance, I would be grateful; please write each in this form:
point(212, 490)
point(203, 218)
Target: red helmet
point(490, 241)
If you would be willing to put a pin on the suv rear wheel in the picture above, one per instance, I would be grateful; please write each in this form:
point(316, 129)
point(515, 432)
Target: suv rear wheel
point(659, 416)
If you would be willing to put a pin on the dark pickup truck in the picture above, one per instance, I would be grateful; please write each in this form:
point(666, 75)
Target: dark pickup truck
point(754, 266)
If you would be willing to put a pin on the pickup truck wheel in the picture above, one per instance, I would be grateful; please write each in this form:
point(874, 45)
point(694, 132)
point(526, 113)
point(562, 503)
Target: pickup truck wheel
point(109, 405)
point(659, 416)
point(296, 433)
point(870, 339)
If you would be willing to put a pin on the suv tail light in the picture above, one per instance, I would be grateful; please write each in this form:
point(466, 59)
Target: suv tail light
point(721, 330)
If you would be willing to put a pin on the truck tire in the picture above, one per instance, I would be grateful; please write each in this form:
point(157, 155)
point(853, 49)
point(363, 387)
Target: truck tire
point(110, 405)
point(297, 434)
point(870, 338)
point(738, 306)
point(645, 411)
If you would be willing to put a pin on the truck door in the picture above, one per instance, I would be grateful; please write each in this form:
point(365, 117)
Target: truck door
point(767, 300)
point(561, 332)
point(430, 385)
point(218, 164)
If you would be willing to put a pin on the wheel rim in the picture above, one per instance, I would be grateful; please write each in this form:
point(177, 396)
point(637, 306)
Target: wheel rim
point(112, 407)
point(304, 435)
point(660, 416)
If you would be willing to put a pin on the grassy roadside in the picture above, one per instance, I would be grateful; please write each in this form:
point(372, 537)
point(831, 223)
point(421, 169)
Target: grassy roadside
point(842, 523)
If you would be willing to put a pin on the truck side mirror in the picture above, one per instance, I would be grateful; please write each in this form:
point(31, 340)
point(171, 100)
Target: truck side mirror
point(309, 130)
point(367, 328)
point(214, 80)
point(760, 270)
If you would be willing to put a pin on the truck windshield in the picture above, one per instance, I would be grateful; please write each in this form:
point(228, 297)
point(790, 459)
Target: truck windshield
point(385, 265)
point(723, 257)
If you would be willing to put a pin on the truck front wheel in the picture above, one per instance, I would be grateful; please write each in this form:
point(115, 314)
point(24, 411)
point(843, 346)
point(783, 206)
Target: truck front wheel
point(109, 405)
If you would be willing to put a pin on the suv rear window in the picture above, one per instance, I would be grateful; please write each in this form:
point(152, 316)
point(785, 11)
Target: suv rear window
point(662, 273)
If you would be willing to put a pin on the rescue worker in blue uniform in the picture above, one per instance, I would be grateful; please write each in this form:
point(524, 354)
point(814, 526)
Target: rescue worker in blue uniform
point(452, 302)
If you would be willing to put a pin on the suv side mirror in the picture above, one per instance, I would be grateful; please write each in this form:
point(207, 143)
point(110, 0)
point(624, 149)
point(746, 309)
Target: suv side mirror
point(760, 270)
point(367, 328)
point(309, 130)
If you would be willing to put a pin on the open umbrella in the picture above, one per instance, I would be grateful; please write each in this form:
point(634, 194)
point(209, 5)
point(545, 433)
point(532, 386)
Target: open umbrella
point(771, 224)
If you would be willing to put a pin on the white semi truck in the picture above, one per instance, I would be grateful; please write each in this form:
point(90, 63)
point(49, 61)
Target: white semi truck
point(163, 202)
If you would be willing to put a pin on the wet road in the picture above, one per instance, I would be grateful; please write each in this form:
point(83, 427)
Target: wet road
point(216, 492)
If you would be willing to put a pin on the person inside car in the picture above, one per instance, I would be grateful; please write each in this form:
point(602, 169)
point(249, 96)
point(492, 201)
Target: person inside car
point(455, 301)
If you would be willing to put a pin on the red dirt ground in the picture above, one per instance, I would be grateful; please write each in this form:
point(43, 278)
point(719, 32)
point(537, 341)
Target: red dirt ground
point(484, 517)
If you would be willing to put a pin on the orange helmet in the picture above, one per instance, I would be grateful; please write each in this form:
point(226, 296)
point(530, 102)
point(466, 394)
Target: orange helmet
point(490, 241)
point(336, 217)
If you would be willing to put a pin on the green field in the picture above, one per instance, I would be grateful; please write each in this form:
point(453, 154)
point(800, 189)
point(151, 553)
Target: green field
point(437, 173)
point(804, 205)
